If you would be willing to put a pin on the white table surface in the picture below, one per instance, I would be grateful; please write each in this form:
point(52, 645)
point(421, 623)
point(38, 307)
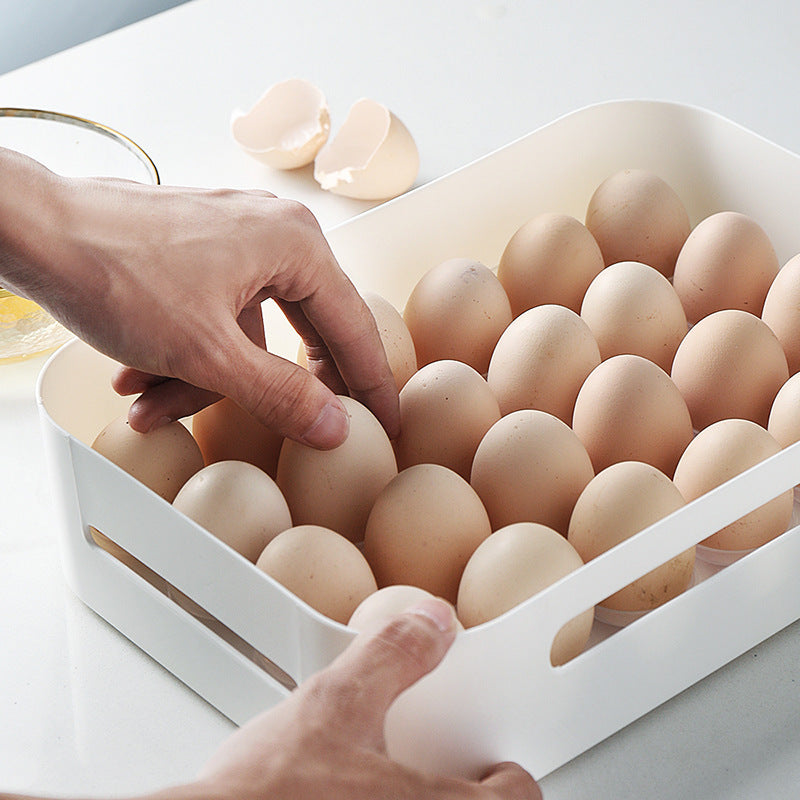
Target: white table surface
point(82, 710)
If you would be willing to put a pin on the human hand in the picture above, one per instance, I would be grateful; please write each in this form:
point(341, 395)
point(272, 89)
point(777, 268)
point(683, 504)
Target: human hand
point(169, 282)
point(326, 740)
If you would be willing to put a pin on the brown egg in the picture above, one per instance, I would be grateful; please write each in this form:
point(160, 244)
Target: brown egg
point(379, 607)
point(423, 528)
point(635, 216)
point(237, 502)
point(445, 410)
point(727, 262)
point(719, 453)
point(530, 467)
point(632, 308)
point(782, 311)
point(457, 311)
point(163, 459)
point(784, 416)
point(628, 409)
point(336, 488)
point(550, 259)
point(619, 502)
point(321, 567)
point(396, 338)
point(226, 432)
point(729, 365)
point(516, 563)
point(541, 361)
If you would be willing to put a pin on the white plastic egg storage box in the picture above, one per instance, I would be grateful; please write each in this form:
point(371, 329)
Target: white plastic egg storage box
point(496, 695)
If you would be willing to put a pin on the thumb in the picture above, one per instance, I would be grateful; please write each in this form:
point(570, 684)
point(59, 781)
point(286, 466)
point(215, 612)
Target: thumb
point(356, 690)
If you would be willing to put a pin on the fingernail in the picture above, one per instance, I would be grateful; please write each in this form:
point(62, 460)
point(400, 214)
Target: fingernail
point(329, 429)
point(438, 611)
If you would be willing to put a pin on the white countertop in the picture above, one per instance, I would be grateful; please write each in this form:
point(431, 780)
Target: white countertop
point(82, 709)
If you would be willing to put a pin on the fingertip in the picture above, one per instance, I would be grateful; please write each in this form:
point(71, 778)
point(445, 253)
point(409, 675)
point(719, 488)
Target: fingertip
point(439, 612)
point(509, 780)
point(330, 428)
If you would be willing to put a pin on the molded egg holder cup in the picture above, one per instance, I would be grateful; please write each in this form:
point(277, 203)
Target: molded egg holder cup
point(496, 695)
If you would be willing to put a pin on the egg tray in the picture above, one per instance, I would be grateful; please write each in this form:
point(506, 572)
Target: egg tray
point(240, 640)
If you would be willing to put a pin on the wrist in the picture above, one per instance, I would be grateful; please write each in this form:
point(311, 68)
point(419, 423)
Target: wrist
point(31, 223)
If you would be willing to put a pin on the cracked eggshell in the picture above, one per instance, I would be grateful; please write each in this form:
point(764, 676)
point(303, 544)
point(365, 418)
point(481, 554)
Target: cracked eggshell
point(287, 126)
point(372, 157)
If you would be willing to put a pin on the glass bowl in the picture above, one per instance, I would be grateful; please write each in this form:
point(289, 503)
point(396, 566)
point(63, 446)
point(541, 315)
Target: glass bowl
point(73, 147)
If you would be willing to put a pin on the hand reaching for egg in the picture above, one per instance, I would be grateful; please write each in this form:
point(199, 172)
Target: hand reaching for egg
point(110, 260)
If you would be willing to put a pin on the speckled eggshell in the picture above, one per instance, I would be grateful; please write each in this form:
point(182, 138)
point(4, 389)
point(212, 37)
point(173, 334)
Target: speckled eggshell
point(445, 410)
point(729, 365)
point(629, 409)
point(728, 261)
point(618, 503)
point(636, 216)
point(782, 311)
point(423, 528)
point(395, 336)
point(457, 310)
point(226, 432)
point(632, 308)
point(719, 453)
point(512, 565)
point(321, 567)
point(162, 459)
point(336, 488)
point(552, 258)
point(237, 502)
point(530, 467)
point(541, 361)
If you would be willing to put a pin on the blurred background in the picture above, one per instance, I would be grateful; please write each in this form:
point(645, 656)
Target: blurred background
point(33, 29)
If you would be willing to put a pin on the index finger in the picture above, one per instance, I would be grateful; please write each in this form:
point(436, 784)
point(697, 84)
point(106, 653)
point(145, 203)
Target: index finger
point(341, 317)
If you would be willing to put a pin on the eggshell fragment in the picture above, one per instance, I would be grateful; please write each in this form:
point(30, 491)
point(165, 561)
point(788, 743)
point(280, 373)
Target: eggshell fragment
point(226, 432)
point(632, 308)
point(457, 310)
point(445, 410)
point(514, 564)
point(727, 261)
point(423, 528)
point(286, 127)
point(720, 452)
point(321, 567)
point(379, 607)
point(372, 157)
point(530, 467)
point(729, 365)
point(541, 360)
point(336, 488)
point(629, 410)
point(619, 502)
point(162, 459)
point(784, 416)
point(636, 216)
point(552, 258)
point(782, 311)
point(237, 502)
